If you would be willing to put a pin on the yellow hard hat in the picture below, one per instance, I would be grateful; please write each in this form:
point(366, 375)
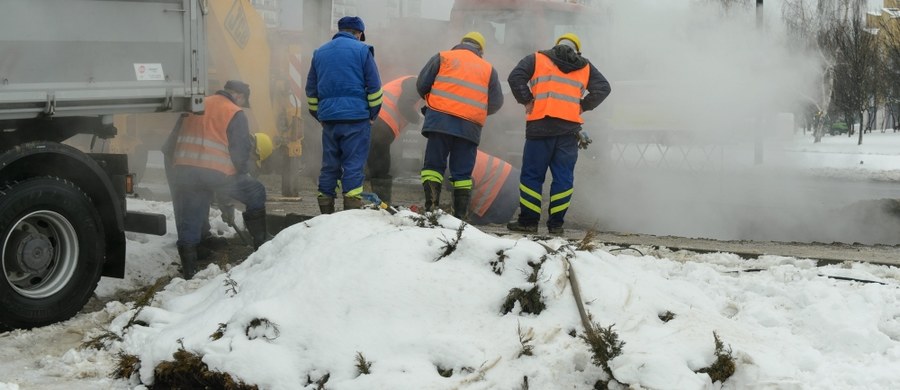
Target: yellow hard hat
point(476, 37)
point(264, 145)
point(570, 37)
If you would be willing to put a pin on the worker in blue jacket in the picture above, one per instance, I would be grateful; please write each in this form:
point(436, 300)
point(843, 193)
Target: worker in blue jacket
point(343, 90)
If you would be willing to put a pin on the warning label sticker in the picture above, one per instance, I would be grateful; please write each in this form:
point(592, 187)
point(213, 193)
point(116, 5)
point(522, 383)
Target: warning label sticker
point(149, 72)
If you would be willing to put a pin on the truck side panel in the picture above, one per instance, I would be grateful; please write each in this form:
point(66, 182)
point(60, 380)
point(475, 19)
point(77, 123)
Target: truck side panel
point(66, 68)
point(79, 57)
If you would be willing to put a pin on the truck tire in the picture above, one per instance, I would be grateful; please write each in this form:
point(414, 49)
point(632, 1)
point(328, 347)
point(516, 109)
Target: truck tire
point(52, 251)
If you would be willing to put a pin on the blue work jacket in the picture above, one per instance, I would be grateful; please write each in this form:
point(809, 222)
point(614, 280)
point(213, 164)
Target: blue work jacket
point(343, 82)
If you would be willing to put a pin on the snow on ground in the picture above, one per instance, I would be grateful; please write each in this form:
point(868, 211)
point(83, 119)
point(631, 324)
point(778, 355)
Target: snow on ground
point(878, 158)
point(370, 283)
point(379, 288)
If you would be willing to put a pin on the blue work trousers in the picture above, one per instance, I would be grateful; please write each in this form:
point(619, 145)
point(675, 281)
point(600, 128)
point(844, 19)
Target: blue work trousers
point(460, 152)
point(196, 188)
point(345, 149)
point(558, 154)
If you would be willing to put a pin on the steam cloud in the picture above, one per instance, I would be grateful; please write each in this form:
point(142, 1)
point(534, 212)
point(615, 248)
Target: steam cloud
point(690, 142)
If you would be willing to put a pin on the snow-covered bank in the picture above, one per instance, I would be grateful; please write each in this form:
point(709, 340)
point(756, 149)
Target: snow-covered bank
point(380, 288)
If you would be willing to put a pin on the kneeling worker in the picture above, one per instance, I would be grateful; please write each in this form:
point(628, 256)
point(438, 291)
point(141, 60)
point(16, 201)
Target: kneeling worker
point(212, 153)
point(495, 193)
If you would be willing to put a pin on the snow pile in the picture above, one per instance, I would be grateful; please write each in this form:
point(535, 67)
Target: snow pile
point(363, 282)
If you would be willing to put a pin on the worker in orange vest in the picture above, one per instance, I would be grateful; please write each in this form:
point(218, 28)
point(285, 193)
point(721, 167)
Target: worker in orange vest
point(555, 86)
point(460, 90)
point(495, 193)
point(262, 149)
point(398, 109)
point(212, 153)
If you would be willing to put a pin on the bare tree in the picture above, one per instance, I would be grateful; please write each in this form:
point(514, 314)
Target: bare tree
point(889, 32)
point(806, 22)
point(879, 89)
point(856, 55)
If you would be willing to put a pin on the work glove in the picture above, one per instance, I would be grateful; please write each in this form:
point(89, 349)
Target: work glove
point(583, 139)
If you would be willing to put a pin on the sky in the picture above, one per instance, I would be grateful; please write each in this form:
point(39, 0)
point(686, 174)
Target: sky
point(381, 289)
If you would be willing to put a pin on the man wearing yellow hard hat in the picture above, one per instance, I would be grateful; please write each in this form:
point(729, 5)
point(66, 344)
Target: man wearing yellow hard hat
point(460, 90)
point(555, 86)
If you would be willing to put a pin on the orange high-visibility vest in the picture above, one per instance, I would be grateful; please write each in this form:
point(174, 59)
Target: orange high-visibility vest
point(461, 86)
point(390, 112)
point(557, 94)
point(488, 177)
point(203, 139)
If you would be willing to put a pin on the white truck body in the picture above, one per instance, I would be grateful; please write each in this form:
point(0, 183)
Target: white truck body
point(66, 67)
point(77, 57)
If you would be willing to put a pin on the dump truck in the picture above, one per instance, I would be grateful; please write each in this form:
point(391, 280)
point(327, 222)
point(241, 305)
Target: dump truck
point(66, 68)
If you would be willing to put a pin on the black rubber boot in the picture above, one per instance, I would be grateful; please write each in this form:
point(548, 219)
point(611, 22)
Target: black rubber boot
point(461, 203)
point(352, 203)
point(188, 255)
point(255, 221)
point(432, 195)
point(383, 187)
point(519, 227)
point(326, 204)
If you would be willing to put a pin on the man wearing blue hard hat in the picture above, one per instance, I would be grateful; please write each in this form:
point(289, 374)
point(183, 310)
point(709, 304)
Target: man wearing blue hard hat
point(343, 90)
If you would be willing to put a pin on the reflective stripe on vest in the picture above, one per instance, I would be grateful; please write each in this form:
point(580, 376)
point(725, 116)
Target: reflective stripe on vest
point(203, 139)
point(489, 175)
point(390, 113)
point(557, 94)
point(461, 86)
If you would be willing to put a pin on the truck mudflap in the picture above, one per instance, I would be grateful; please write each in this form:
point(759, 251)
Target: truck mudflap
point(147, 223)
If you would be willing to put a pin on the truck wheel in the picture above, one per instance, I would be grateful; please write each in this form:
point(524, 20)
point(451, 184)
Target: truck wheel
point(52, 242)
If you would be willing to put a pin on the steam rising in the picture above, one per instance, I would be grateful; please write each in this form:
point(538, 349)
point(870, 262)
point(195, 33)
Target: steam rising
point(700, 102)
point(690, 141)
